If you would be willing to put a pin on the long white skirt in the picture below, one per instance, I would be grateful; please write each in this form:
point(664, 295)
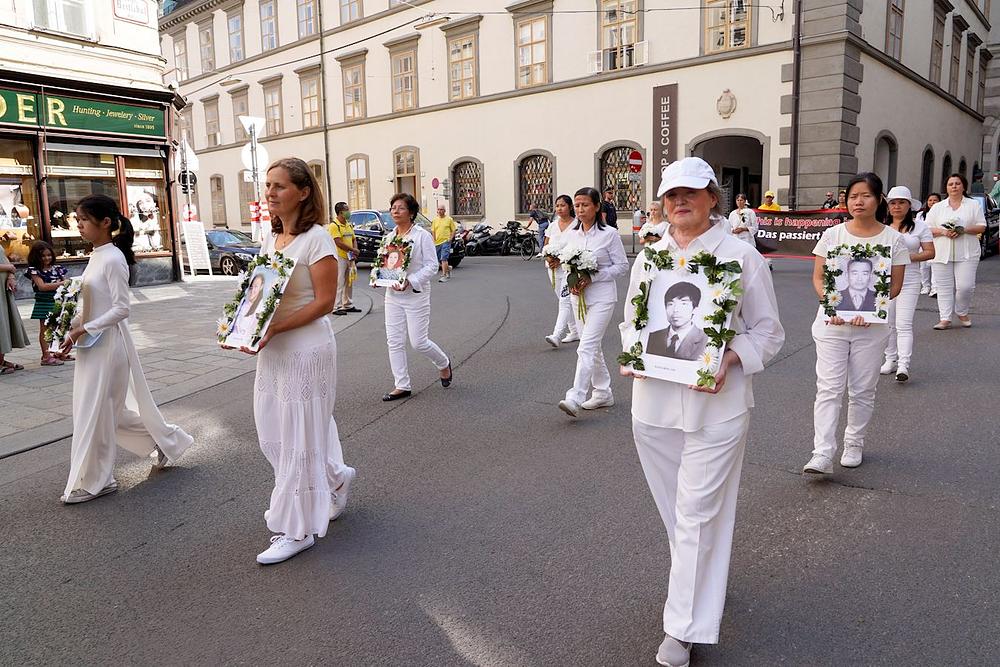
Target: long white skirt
point(293, 401)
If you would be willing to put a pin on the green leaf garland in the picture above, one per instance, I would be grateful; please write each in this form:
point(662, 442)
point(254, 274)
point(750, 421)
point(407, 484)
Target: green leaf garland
point(276, 261)
point(831, 271)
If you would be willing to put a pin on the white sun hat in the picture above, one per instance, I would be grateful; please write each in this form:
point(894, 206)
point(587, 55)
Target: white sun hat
point(903, 192)
point(691, 172)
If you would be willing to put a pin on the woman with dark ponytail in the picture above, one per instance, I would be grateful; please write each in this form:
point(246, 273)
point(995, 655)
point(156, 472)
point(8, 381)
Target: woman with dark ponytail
point(107, 371)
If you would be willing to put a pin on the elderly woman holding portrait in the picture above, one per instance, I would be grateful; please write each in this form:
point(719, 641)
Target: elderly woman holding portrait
point(691, 439)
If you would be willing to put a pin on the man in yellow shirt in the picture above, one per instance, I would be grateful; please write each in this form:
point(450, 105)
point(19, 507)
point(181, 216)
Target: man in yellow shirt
point(769, 203)
point(347, 251)
point(444, 229)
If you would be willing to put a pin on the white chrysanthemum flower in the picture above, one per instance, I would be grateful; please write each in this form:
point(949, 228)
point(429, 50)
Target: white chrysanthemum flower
point(710, 359)
point(845, 252)
point(223, 326)
point(682, 263)
point(833, 263)
point(881, 302)
point(881, 264)
point(720, 292)
point(834, 298)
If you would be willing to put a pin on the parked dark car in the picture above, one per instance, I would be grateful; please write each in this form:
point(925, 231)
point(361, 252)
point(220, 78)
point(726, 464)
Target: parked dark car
point(990, 239)
point(230, 250)
point(370, 226)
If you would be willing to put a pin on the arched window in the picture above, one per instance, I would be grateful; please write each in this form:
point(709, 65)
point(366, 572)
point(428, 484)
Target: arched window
point(218, 193)
point(885, 158)
point(358, 192)
point(963, 168)
point(467, 188)
point(945, 172)
point(614, 173)
point(536, 186)
point(926, 173)
point(316, 167)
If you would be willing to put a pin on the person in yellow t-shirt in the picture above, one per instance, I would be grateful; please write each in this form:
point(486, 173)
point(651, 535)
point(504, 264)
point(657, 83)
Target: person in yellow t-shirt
point(347, 252)
point(769, 203)
point(443, 228)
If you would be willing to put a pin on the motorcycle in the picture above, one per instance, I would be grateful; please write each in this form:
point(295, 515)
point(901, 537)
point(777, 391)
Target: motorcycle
point(512, 238)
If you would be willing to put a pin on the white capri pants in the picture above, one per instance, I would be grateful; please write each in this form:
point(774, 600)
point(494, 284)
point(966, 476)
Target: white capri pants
point(955, 282)
point(565, 321)
point(901, 309)
point(410, 318)
point(591, 369)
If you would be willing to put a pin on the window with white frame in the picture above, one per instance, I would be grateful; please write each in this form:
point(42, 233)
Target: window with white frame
point(241, 107)
point(404, 80)
point(180, 57)
point(268, 25)
point(532, 51)
point(619, 33)
point(206, 46)
point(894, 29)
point(462, 67)
point(212, 122)
point(727, 25)
point(350, 10)
point(272, 108)
point(311, 116)
point(937, 47)
point(306, 12)
point(234, 25)
point(69, 16)
point(218, 193)
point(354, 90)
point(357, 182)
point(405, 169)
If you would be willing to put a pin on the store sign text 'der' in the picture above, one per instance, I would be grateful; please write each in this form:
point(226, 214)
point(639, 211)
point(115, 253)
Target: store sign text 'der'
point(27, 112)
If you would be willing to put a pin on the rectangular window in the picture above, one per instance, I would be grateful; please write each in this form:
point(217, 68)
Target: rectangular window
point(350, 10)
point(310, 100)
point(937, 48)
point(218, 193)
point(727, 25)
point(272, 108)
point(619, 32)
point(241, 107)
point(234, 22)
point(981, 102)
point(18, 187)
point(185, 125)
point(71, 176)
point(206, 47)
point(894, 31)
point(306, 12)
point(970, 72)
point(462, 67)
point(532, 52)
point(354, 91)
point(146, 199)
point(180, 57)
point(357, 183)
point(69, 16)
point(404, 80)
point(268, 26)
point(956, 62)
point(212, 122)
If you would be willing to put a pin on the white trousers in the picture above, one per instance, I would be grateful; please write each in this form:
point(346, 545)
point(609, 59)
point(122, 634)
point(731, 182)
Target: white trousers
point(591, 370)
point(565, 321)
point(955, 283)
point(846, 356)
point(901, 309)
point(344, 291)
point(410, 319)
point(925, 274)
point(695, 478)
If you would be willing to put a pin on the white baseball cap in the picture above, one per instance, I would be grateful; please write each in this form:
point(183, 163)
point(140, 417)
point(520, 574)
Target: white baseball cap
point(691, 172)
point(903, 192)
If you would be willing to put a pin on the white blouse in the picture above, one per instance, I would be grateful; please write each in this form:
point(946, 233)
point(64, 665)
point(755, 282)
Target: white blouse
point(759, 337)
point(744, 217)
point(306, 249)
point(606, 244)
point(105, 294)
point(966, 246)
point(423, 265)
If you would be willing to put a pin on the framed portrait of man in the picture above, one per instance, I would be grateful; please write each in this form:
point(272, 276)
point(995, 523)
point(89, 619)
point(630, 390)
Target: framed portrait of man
point(857, 284)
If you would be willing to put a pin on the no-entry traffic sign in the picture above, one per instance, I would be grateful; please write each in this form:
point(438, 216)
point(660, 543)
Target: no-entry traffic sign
point(635, 162)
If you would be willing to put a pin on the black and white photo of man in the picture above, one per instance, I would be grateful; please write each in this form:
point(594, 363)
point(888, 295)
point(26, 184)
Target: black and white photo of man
point(858, 296)
point(682, 339)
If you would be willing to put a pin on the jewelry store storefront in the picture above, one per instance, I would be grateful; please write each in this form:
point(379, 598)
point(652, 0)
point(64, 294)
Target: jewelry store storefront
point(57, 148)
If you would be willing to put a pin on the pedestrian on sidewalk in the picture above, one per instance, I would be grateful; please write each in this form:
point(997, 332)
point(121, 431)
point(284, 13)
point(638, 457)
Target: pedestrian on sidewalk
point(112, 403)
point(342, 233)
point(12, 334)
point(555, 236)
point(600, 294)
point(296, 387)
point(46, 277)
point(849, 352)
point(926, 285)
point(542, 220)
point(690, 440)
point(408, 306)
point(609, 210)
point(443, 227)
point(769, 202)
point(920, 245)
point(956, 224)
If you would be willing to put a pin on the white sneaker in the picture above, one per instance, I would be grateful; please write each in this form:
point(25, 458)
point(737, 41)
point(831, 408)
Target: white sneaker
point(538, 255)
point(82, 496)
point(571, 338)
point(924, 289)
point(444, 279)
point(888, 368)
point(552, 340)
point(851, 458)
point(674, 653)
point(572, 408)
point(594, 402)
point(159, 459)
point(282, 548)
point(818, 465)
point(933, 292)
point(338, 503)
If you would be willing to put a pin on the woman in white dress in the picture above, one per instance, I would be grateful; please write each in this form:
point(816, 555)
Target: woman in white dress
point(743, 221)
point(296, 388)
point(956, 224)
point(926, 287)
point(408, 307)
point(691, 440)
point(600, 294)
point(849, 352)
point(920, 245)
point(655, 227)
point(111, 400)
point(555, 236)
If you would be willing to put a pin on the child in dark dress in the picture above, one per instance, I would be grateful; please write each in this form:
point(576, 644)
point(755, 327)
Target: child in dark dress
point(46, 277)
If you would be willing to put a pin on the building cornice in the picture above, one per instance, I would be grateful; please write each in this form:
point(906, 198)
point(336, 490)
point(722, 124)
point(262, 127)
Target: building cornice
point(186, 14)
point(467, 22)
point(357, 54)
point(398, 42)
point(530, 6)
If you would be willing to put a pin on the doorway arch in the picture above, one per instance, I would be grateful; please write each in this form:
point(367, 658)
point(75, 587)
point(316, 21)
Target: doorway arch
point(738, 157)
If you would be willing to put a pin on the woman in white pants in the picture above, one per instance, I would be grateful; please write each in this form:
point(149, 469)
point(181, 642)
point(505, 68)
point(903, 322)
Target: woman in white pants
point(956, 224)
point(920, 245)
point(555, 235)
point(926, 287)
point(691, 440)
point(600, 294)
point(849, 352)
point(408, 307)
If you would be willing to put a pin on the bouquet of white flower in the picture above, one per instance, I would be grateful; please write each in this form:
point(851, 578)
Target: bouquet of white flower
point(648, 229)
point(551, 251)
point(953, 225)
point(59, 321)
point(579, 263)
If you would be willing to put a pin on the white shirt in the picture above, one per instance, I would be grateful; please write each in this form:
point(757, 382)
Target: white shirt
point(659, 229)
point(748, 220)
point(606, 244)
point(552, 232)
point(306, 249)
point(759, 336)
point(423, 265)
point(966, 246)
point(920, 233)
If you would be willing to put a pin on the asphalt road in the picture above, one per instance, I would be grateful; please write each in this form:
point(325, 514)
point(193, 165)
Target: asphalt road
point(486, 528)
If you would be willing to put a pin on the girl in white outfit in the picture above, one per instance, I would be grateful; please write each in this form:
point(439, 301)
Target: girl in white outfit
point(408, 308)
point(111, 401)
point(956, 255)
point(555, 235)
point(926, 287)
point(691, 440)
point(920, 245)
point(743, 221)
point(849, 352)
point(296, 387)
point(600, 295)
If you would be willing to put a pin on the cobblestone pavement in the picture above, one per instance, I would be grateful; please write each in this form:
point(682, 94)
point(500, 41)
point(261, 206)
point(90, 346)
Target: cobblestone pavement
point(173, 327)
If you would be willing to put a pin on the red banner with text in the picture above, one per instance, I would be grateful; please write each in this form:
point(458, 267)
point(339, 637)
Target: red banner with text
point(794, 233)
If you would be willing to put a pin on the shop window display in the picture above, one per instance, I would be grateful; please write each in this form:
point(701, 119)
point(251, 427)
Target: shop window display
point(71, 176)
point(147, 197)
point(20, 217)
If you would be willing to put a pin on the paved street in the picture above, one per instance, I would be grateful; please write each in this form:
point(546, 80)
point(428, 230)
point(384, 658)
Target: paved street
point(487, 529)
